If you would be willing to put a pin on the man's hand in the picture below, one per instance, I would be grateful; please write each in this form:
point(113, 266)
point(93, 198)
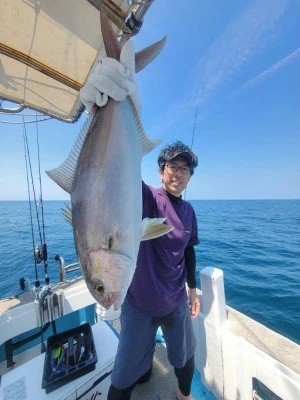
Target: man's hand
point(194, 302)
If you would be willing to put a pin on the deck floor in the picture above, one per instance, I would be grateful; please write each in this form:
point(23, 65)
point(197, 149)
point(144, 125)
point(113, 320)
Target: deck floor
point(163, 383)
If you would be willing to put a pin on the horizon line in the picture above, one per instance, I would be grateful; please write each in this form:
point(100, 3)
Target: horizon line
point(208, 199)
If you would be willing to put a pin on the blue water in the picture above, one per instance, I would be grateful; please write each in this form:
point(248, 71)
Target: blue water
point(255, 242)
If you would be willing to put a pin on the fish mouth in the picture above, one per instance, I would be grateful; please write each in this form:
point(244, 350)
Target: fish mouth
point(112, 299)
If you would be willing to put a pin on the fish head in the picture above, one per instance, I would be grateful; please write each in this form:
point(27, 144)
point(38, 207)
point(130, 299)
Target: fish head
point(108, 275)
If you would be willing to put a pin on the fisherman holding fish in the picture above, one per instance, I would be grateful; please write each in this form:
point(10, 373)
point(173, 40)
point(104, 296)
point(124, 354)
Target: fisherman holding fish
point(157, 295)
point(135, 244)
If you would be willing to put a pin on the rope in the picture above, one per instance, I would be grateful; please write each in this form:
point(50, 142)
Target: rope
point(24, 122)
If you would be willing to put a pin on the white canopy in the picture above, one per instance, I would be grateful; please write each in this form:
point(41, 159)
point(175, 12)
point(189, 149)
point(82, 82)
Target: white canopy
point(48, 48)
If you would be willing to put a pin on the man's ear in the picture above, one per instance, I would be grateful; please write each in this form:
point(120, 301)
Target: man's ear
point(161, 173)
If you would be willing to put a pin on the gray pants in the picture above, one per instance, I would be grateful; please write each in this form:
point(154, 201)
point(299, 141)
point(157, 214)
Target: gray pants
point(137, 342)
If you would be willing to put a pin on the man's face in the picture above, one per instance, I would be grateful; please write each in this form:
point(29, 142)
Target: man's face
point(175, 175)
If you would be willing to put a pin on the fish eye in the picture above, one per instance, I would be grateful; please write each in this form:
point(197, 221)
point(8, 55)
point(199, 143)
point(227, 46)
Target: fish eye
point(99, 289)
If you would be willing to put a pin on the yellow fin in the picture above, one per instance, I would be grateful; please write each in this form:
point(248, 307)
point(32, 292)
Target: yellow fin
point(154, 227)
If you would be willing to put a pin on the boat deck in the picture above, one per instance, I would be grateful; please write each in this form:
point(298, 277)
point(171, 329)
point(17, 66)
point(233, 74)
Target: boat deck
point(162, 384)
point(247, 347)
point(27, 297)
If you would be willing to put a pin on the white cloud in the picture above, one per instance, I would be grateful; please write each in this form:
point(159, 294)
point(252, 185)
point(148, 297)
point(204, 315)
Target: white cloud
point(240, 40)
point(243, 37)
point(268, 72)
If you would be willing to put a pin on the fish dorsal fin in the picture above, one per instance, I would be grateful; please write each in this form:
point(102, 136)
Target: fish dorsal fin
point(64, 174)
point(147, 144)
point(67, 213)
point(154, 227)
point(148, 54)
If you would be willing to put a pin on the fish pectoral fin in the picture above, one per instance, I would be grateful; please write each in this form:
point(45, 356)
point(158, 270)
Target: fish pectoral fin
point(67, 213)
point(154, 227)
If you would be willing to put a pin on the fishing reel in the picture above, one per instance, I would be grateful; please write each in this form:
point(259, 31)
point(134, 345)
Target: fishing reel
point(31, 287)
point(40, 253)
point(22, 283)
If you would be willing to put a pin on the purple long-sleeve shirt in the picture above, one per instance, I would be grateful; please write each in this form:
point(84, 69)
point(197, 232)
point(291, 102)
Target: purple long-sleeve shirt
point(158, 285)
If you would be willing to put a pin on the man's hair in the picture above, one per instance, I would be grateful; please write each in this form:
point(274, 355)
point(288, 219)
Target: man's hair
point(177, 149)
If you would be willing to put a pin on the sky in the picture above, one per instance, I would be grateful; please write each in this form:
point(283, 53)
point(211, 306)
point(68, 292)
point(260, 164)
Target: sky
point(234, 63)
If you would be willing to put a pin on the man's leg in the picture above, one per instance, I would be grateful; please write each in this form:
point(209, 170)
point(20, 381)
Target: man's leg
point(181, 343)
point(135, 351)
point(185, 377)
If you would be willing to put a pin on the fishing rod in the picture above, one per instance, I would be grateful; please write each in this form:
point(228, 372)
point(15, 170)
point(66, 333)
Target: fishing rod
point(195, 120)
point(39, 251)
point(193, 135)
point(45, 256)
point(27, 160)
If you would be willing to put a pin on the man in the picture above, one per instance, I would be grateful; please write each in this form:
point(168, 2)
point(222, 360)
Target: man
point(157, 295)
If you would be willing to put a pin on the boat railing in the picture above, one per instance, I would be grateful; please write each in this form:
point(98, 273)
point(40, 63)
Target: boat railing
point(64, 269)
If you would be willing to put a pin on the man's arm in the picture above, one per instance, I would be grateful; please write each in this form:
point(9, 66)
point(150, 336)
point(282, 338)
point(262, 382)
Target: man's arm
point(190, 262)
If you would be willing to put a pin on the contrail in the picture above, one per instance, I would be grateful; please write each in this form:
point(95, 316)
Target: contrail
point(243, 37)
point(268, 72)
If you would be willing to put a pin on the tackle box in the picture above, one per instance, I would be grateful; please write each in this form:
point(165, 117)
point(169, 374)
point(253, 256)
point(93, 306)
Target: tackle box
point(69, 355)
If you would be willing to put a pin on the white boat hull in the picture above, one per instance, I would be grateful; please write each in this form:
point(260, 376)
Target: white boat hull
point(238, 358)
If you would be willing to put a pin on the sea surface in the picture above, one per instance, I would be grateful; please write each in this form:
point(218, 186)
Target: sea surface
point(255, 242)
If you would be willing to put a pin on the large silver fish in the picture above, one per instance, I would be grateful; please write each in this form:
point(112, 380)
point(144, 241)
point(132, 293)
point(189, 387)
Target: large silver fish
point(103, 176)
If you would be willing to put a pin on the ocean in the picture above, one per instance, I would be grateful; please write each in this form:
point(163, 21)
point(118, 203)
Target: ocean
point(255, 242)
